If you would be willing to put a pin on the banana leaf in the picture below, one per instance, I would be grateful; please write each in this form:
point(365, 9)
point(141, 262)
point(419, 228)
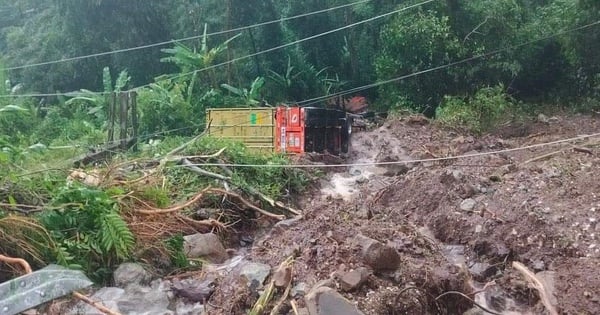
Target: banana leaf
point(44, 285)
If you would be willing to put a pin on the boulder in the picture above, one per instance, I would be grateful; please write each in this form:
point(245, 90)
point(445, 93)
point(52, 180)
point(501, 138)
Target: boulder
point(377, 255)
point(131, 273)
point(255, 273)
point(206, 246)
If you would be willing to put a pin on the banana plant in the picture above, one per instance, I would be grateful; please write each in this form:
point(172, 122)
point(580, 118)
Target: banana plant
point(189, 61)
point(250, 97)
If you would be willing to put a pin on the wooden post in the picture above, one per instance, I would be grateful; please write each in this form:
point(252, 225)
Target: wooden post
point(134, 118)
point(124, 102)
point(111, 100)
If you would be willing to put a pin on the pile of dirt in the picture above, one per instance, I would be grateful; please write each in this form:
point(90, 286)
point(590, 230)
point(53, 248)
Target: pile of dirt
point(457, 224)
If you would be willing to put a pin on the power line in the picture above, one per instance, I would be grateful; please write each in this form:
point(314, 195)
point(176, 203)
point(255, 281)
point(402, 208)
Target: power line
point(494, 52)
point(415, 161)
point(183, 39)
point(247, 56)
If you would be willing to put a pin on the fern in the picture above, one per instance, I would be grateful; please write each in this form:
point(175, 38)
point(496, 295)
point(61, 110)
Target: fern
point(89, 231)
point(115, 236)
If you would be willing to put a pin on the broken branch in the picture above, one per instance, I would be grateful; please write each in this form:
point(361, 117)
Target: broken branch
point(153, 210)
point(200, 171)
point(538, 285)
point(247, 203)
point(249, 190)
point(95, 304)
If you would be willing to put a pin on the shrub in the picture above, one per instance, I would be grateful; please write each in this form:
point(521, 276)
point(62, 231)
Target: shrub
point(89, 231)
point(484, 111)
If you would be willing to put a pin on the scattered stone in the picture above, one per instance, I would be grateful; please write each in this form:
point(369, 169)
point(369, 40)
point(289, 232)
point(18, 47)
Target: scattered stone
point(326, 301)
point(362, 179)
point(482, 270)
point(131, 273)
point(109, 297)
point(299, 289)
point(478, 228)
point(552, 172)
point(206, 246)
point(282, 277)
point(354, 279)
point(538, 265)
point(182, 308)
point(468, 205)
point(194, 290)
point(255, 272)
point(396, 170)
point(378, 256)
point(288, 223)
point(451, 176)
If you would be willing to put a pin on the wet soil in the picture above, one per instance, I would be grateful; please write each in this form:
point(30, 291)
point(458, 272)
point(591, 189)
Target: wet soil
point(458, 224)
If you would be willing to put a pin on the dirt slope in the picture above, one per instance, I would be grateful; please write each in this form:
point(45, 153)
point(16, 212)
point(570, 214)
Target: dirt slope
point(457, 224)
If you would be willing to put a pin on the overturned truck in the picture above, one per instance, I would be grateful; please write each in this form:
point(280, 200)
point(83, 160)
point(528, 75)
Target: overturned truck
point(283, 129)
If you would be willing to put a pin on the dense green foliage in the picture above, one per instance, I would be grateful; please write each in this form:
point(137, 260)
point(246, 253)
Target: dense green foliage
point(89, 230)
point(183, 79)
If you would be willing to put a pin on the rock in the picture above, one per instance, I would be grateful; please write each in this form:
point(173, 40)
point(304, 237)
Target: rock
point(482, 270)
point(285, 224)
point(255, 272)
point(109, 297)
point(299, 289)
point(539, 265)
point(182, 308)
point(146, 300)
point(468, 205)
point(451, 176)
point(543, 118)
point(396, 170)
point(326, 301)
point(206, 246)
point(378, 256)
point(131, 273)
point(282, 277)
point(352, 280)
point(194, 290)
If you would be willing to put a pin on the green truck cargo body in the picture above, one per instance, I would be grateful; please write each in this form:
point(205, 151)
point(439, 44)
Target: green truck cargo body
point(255, 127)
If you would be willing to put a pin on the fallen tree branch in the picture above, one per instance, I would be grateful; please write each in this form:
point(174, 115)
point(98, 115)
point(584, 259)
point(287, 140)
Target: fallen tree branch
point(95, 304)
point(247, 203)
point(183, 146)
point(258, 194)
point(20, 261)
point(211, 223)
point(538, 285)
point(202, 172)
point(153, 210)
point(249, 190)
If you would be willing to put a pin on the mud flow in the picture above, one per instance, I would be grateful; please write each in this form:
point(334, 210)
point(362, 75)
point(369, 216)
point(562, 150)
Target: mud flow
point(444, 237)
